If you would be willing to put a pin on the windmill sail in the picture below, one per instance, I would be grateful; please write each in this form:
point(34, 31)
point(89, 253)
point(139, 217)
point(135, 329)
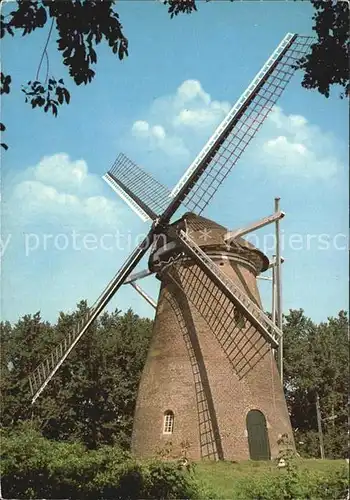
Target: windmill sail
point(244, 346)
point(256, 316)
point(146, 196)
point(212, 165)
point(42, 375)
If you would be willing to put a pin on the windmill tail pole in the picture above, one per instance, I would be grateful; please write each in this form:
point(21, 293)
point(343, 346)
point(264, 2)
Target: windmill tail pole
point(273, 308)
point(279, 290)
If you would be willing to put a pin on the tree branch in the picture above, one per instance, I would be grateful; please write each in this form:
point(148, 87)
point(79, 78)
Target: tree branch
point(45, 51)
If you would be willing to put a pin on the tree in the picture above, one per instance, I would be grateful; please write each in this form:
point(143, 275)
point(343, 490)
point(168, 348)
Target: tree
point(328, 62)
point(92, 397)
point(82, 24)
point(23, 346)
point(316, 362)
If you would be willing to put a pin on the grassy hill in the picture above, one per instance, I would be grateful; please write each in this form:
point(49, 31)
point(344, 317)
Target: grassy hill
point(248, 480)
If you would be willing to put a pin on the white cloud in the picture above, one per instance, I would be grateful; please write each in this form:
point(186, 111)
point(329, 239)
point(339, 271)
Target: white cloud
point(158, 132)
point(61, 190)
point(142, 128)
point(189, 90)
point(59, 170)
point(155, 138)
point(281, 147)
point(202, 117)
point(179, 125)
point(296, 147)
point(193, 107)
point(171, 118)
point(66, 232)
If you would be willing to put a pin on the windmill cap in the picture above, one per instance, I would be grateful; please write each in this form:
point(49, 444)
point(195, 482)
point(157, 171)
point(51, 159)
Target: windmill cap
point(210, 235)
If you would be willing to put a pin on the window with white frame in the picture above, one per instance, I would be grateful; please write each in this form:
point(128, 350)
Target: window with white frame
point(168, 424)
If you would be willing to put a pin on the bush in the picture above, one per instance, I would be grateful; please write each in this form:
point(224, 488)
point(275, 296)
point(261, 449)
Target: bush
point(291, 482)
point(33, 467)
point(307, 486)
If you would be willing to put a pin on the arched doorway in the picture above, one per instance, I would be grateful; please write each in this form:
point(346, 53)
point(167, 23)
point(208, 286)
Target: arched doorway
point(258, 439)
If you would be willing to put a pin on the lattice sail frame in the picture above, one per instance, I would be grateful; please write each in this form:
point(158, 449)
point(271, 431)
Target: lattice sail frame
point(243, 345)
point(45, 371)
point(253, 312)
point(225, 147)
point(144, 194)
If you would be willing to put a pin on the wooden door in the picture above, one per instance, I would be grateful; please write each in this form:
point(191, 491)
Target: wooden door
point(258, 439)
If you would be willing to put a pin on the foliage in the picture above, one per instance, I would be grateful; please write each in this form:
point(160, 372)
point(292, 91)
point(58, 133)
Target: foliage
point(316, 361)
point(328, 62)
point(303, 485)
point(80, 25)
point(91, 399)
point(40, 95)
point(176, 7)
point(287, 457)
point(5, 87)
point(83, 24)
point(33, 467)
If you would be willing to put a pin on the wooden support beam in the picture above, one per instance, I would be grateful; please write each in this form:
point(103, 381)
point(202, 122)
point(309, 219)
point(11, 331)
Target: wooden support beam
point(273, 308)
point(144, 294)
point(137, 276)
point(231, 235)
point(278, 269)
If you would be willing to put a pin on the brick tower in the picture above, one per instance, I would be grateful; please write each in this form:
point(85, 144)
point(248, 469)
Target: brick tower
point(214, 387)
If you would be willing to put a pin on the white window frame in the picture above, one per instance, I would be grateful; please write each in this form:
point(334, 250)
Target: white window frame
point(168, 422)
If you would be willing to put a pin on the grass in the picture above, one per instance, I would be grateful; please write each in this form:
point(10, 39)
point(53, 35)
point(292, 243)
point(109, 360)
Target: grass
point(226, 479)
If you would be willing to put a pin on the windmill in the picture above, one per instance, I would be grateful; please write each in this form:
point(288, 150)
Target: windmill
point(210, 379)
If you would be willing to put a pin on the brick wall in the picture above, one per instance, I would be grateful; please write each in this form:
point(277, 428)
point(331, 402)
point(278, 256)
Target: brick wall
point(211, 413)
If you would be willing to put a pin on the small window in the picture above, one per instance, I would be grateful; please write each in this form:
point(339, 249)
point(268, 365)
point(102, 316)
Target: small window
point(168, 426)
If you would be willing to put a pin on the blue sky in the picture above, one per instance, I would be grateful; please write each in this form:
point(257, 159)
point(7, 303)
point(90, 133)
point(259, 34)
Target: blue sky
point(51, 175)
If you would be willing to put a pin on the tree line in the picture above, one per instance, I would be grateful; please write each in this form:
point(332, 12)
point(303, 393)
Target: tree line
point(92, 397)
